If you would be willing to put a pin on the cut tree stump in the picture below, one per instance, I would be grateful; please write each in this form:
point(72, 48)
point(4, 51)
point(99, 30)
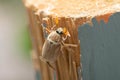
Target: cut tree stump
point(68, 65)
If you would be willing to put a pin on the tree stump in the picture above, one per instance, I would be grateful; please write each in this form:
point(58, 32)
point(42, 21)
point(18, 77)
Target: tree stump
point(68, 65)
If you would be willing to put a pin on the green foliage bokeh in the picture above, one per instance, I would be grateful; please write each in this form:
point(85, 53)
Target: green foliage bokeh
point(25, 42)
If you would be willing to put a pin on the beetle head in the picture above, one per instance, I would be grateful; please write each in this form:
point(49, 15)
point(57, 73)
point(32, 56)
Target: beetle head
point(63, 31)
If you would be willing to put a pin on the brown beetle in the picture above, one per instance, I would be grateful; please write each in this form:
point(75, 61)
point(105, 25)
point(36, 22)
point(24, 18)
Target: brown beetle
point(54, 44)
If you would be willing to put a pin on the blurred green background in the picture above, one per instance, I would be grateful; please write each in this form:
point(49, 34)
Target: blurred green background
point(15, 44)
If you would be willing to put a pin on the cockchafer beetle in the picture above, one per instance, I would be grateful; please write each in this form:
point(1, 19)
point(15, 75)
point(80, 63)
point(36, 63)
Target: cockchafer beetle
point(54, 44)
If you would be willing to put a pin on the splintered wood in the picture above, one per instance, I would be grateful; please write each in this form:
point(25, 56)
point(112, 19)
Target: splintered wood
point(68, 62)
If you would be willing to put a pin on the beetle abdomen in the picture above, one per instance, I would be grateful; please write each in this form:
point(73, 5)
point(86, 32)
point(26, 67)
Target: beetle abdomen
point(50, 51)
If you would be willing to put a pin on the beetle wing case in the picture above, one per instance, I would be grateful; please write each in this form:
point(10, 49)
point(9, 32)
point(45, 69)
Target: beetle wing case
point(50, 51)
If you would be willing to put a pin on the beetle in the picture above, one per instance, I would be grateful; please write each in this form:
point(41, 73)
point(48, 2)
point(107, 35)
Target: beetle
point(54, 44)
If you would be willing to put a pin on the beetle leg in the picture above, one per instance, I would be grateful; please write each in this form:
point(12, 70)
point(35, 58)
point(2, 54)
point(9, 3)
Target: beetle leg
point(42, 59)
point(62, 47)
point(53, 28)
point(48, 31)
point(62, 50)
point(50, 65)
point(64, 38)
point(69, 45)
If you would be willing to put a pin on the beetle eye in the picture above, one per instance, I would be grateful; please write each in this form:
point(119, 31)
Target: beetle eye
point(59, 32)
